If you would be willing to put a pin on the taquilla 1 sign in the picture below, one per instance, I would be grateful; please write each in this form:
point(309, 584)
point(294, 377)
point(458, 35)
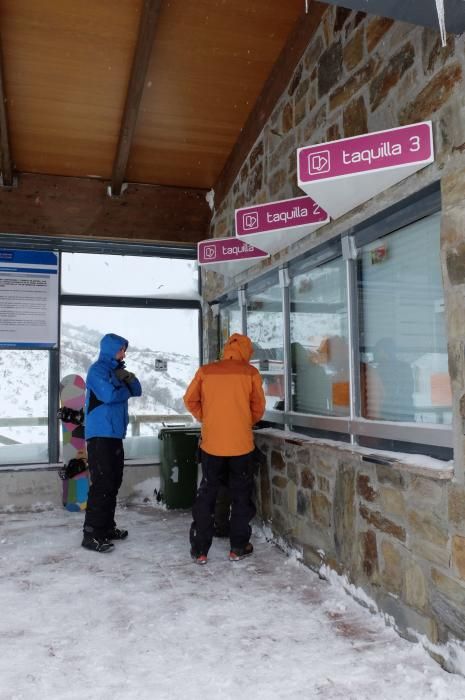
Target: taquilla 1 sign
point(228, 255)
point(340, 175)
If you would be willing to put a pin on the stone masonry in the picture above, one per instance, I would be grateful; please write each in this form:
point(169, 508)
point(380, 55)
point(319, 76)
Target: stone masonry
point(393, 529)
point(397, 533)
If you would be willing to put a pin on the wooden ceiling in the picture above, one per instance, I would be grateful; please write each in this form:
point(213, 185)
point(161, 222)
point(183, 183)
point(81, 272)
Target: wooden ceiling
point(154, 92)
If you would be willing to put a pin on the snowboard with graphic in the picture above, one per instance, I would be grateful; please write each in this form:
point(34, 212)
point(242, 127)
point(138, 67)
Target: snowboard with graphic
point(74, 474)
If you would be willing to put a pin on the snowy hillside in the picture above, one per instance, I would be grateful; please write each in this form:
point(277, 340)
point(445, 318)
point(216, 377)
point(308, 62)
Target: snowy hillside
point(162, 391)
point(24, 378)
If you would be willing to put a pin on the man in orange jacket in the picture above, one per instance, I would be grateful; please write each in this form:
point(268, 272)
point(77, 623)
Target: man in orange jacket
point(227, 398)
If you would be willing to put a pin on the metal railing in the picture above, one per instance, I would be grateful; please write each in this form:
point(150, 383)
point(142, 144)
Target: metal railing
point(135, 423)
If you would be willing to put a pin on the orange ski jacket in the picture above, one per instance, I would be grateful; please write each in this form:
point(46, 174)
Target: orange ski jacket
point(227, 398)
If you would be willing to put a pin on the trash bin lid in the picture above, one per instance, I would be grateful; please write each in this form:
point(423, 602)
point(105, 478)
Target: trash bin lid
point(185, 429)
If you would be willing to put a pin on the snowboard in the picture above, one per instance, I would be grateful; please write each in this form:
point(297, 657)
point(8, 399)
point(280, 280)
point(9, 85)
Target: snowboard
point(74, 474)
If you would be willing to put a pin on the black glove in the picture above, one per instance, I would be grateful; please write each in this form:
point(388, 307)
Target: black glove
point(124, 375)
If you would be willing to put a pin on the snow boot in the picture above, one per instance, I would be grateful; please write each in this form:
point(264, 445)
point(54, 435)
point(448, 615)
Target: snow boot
point(220, 530)
point(117, 534)
point(239, 553)
point(200, 559)
point(97, 544)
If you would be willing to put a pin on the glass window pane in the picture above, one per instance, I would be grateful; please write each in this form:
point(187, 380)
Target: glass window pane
point(24, 406)
point(129, 276)
point(319, 340)
point(230, 322)
point(163, 352)
point(404, 368)
point(265, 329)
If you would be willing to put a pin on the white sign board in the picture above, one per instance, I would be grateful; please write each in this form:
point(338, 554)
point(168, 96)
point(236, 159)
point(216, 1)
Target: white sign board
point(28, 298)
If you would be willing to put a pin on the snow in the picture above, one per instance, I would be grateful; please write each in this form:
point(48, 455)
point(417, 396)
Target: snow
point(416, 463)
point(144, 622)
point(210, 197)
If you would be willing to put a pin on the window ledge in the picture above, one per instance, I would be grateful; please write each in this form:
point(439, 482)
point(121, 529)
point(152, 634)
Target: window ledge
point(419, 465)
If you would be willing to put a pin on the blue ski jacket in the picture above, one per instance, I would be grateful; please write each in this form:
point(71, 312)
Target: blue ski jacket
point(106, 413)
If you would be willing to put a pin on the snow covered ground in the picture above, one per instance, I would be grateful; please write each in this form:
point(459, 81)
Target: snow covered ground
point(145, 623)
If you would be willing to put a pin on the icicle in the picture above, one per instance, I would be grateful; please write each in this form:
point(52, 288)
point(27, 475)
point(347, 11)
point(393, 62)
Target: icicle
point(442, 20)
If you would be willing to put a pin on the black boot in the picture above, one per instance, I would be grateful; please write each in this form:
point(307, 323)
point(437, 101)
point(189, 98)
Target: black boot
point(220, 530)
point(97, 544)
point(116, 534)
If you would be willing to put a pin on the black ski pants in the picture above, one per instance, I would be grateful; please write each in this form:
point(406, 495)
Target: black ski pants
point(106, 462)
point(237, 473)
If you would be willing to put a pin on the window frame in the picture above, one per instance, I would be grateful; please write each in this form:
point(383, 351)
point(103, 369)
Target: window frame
point(413, 208)
point(96, 246)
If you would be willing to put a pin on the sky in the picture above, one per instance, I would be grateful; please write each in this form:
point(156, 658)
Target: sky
point(144, 622)
point(160, 330)
point(166, 330)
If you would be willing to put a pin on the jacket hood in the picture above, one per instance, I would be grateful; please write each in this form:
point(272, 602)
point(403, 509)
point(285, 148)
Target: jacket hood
point(111, 344)
point(238, 347)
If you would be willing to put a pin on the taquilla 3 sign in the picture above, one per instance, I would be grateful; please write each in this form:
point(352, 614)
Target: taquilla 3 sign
point(340, 175)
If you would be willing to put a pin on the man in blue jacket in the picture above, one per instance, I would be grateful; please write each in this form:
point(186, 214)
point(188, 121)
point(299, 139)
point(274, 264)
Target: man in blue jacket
point(109, 386)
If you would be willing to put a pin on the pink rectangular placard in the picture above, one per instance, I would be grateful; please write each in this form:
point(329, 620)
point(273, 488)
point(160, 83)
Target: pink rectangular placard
point(226, 250)
point(288, 213)
point(383, 149)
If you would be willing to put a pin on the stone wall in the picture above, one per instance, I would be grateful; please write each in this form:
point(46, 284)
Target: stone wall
point(397, 533)
point(394, 529)
point(359, 73)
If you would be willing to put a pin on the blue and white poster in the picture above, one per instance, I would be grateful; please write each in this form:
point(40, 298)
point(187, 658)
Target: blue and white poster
point(28, 298)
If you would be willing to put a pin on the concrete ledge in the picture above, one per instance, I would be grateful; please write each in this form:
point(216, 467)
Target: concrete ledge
point(419, 465)
point(36, 488)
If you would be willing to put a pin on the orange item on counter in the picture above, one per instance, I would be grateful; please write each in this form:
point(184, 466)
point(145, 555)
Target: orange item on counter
point(340, 393)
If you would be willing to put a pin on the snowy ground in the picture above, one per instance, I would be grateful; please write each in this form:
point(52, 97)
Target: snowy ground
point(145, 623)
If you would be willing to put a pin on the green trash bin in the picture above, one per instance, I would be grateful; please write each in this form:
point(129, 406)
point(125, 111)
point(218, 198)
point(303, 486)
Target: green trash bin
point(178, 465)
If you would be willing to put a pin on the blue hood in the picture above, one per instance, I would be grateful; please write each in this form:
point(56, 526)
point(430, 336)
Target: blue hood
point(110, 345)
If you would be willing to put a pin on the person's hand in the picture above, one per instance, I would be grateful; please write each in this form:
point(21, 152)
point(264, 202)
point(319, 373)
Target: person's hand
point(124, 375)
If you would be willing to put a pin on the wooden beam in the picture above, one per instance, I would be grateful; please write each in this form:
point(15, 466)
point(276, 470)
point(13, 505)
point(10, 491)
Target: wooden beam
point(148, 21)
point(80, 208)
point(281, 74)
point(6, 164)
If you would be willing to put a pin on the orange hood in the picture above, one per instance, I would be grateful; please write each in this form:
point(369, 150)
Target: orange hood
point(238, 347)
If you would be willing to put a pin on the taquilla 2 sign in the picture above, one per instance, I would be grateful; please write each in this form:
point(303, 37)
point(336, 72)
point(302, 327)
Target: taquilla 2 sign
point(275, 225)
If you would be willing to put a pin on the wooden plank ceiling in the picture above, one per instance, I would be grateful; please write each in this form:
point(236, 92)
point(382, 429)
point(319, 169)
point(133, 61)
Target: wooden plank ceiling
point(152, 92)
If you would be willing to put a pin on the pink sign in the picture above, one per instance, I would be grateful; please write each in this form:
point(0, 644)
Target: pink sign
point(378, 151)
point(288, 213)
point(226, 250)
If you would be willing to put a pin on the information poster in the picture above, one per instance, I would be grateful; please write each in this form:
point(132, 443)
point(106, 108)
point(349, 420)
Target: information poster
point(28, 298)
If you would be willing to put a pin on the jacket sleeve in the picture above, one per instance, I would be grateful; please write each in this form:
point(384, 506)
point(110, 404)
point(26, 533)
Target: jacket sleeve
point(106, 387)
point(193, 397)
point(135, 387)
point(257, 398)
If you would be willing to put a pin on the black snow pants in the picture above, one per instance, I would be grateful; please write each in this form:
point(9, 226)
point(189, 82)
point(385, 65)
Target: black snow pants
point(222, 511)
point(238, 474)
point(106, 462)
